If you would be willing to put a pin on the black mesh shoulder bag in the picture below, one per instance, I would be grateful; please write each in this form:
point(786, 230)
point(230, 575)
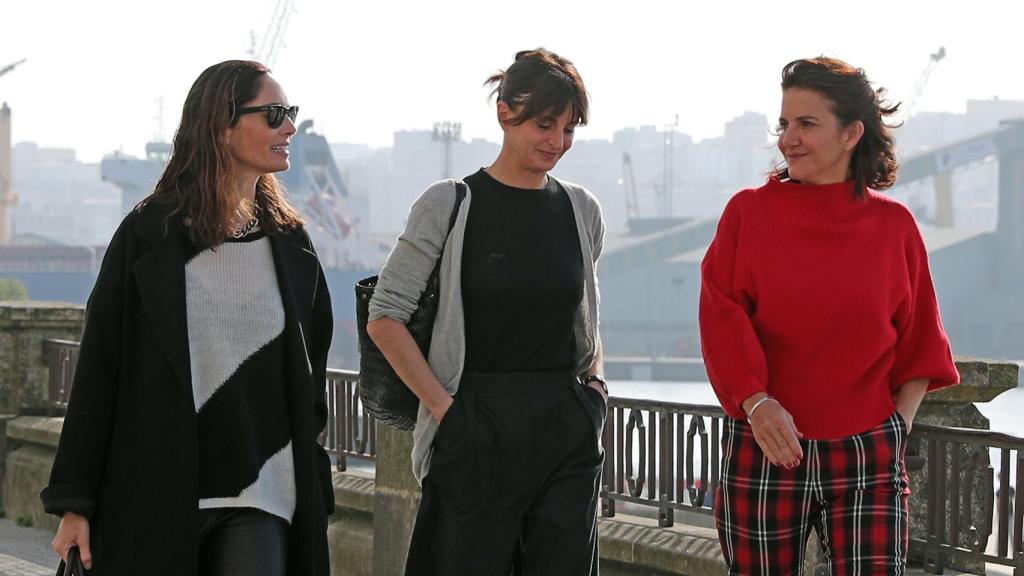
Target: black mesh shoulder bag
point(384, 395)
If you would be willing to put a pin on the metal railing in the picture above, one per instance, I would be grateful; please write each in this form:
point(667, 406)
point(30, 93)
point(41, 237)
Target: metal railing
point(666, 456)
point(964, 506)
point(61, 357)
point(651, 456)
point(350, 430)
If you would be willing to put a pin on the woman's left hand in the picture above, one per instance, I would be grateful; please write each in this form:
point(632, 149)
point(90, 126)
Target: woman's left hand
point(908, 399)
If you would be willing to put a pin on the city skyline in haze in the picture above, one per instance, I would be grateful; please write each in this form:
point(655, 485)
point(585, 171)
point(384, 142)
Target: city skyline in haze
point(96, 70)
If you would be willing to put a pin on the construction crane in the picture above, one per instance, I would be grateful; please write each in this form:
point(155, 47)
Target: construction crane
point(11, 67)
point(273, 37)
point(922, 81)
point(629, 184)
point(942, 181)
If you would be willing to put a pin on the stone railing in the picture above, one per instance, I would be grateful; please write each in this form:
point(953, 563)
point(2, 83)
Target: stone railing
point(23, 328)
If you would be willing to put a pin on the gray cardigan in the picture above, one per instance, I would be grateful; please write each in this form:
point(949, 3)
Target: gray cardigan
point(405, 275)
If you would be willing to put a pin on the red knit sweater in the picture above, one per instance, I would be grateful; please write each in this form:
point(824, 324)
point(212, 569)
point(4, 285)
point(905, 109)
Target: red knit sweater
point(824, 302)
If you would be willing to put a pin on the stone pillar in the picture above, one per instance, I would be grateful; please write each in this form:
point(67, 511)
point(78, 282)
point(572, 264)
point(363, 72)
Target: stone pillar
point(396, 501)
point(23, 327)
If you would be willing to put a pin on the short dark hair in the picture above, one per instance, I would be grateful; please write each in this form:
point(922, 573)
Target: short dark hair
point(541, 82)
point(851, 98)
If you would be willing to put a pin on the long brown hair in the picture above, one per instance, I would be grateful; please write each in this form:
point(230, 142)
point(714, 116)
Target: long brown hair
point(851, 98)
point(541, 82)
point(198, 179)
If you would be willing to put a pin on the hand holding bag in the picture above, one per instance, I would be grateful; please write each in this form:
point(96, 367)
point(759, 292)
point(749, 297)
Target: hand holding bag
point(74, 566)
point(383, 394)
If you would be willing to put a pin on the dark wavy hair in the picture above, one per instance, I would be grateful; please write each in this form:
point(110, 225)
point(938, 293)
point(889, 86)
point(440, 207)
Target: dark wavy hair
point(541, 82)
point(851, 98)
point(199, 175)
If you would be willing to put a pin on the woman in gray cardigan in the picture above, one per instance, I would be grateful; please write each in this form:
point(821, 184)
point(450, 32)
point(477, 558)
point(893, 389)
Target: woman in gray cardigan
point(507, 443)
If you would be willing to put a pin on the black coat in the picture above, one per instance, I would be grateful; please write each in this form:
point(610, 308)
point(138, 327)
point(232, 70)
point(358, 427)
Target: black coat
point(128, 456)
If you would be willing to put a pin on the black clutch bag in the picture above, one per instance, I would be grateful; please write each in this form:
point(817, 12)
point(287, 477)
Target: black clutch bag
point(74, 566)
point(382, 392)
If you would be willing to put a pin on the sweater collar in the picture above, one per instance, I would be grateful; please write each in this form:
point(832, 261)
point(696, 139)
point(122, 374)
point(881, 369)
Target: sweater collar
point(838, 189)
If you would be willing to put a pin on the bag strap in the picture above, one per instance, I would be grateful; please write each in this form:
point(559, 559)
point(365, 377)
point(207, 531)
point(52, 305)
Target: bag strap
point(460, 194)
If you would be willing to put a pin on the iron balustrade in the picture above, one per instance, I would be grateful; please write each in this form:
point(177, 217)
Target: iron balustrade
point(661, 454)
point(350, 431)
point(968, 516)
point(61, 358)
point(666, 456)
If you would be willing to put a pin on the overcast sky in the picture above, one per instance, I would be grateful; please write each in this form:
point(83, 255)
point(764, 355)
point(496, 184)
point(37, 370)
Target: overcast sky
point(362, 70)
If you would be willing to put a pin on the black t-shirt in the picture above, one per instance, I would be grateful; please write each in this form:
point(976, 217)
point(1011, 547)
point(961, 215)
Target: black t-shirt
point(522, 277)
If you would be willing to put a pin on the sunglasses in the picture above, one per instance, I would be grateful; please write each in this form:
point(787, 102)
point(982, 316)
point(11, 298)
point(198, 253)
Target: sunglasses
point(275, 113)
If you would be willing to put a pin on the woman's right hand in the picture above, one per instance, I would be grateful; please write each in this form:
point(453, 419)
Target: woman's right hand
point(775, 432)
point(73, 531)
point(441, 409)
point(404, 355)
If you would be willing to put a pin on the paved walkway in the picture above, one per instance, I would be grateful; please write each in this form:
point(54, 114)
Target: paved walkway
point(25, 551)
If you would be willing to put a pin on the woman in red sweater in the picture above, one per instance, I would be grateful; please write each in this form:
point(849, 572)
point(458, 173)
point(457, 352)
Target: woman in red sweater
point(821, 334)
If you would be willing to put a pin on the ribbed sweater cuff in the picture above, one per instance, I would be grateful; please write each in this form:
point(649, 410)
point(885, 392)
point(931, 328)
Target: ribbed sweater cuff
point(741, 390)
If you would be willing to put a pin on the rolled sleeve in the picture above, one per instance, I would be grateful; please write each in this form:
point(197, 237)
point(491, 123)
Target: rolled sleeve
point(922, 347)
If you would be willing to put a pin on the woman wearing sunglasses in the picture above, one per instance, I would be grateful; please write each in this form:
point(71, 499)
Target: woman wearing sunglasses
point(507, 445)
point(821, 334)
point(190, 442)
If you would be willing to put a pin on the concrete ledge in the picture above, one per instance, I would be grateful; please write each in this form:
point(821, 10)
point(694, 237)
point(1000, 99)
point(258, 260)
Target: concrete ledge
point(41, 312)
point(353, 491)
point(39, 430)
point(635, 545)
point(981, 380)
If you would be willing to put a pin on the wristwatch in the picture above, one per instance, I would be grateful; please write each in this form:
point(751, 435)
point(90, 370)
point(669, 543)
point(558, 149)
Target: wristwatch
point(586, 380)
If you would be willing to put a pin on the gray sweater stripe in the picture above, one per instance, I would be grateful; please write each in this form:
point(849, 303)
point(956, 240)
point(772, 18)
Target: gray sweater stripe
point(234, 309)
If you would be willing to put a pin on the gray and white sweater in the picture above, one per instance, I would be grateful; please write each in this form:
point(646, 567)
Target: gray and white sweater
point(405, 275)
point(236, 324)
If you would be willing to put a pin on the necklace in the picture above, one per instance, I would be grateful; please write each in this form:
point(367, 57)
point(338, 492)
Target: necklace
point(247, 229)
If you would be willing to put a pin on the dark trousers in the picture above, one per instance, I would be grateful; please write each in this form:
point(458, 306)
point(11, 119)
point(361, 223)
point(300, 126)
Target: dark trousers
point(241, 542)
point(853, 491)
point(514, 480)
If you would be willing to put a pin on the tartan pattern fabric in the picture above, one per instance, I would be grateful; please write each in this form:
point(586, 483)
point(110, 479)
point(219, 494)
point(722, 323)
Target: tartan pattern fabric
point(853, 491)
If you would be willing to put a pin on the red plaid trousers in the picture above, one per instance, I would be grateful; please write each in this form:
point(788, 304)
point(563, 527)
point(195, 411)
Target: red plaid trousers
point(853, 491)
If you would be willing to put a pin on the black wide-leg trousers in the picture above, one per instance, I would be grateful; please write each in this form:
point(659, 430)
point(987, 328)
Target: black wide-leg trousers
point(514, 480)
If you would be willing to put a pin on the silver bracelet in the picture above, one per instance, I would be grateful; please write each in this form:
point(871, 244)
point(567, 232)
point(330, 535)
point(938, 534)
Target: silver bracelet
point(756, 405)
